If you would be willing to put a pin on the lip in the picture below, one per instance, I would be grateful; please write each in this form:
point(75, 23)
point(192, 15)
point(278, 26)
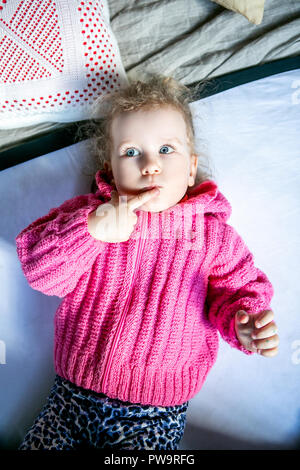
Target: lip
point(147, 188)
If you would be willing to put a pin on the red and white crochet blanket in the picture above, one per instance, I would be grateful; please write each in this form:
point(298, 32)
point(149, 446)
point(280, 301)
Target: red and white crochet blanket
point(56, 58)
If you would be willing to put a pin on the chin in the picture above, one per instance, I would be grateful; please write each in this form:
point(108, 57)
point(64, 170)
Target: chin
point(150, 209)
point(152, 206)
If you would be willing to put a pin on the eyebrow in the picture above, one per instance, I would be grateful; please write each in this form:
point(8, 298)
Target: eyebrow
point(171, 139)
point(175, 139)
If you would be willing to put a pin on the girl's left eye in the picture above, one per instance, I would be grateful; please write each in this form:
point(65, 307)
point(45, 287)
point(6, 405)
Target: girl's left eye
point(164, 149)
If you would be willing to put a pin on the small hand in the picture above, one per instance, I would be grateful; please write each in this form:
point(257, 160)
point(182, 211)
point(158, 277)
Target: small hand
point(114, 221)
point(257, 332)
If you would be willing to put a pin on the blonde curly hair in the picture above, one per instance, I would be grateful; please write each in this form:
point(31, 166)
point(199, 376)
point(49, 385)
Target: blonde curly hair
point(156, 91)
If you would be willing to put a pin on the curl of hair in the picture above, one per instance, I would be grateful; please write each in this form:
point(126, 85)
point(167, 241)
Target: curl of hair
point(155, 91)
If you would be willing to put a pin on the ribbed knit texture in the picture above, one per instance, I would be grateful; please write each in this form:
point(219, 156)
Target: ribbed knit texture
point(140, 319)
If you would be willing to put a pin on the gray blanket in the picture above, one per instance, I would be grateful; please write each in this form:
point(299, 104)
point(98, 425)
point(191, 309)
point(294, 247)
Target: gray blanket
point(198, 39)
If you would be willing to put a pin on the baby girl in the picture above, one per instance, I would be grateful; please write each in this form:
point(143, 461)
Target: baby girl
point(150, 273)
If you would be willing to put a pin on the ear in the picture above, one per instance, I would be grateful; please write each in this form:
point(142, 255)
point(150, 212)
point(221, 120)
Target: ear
point(193, 169)
point(107, 166)
point(108, 169)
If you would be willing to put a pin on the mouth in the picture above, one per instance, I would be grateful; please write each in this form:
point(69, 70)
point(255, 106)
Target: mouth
point(148, 188)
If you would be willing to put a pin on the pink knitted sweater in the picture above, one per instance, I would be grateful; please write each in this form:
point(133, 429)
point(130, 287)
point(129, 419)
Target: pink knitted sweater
point(139, 320)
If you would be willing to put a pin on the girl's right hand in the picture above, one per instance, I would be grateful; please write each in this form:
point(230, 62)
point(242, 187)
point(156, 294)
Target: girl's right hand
point(114, 221)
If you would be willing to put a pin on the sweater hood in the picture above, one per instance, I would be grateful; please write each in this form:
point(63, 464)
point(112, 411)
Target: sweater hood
point(205, 196)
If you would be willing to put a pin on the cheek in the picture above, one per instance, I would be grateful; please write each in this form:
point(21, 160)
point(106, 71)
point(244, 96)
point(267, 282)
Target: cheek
point(120, 172)
point(125, 167)
point(125, 179)
point(179, 169)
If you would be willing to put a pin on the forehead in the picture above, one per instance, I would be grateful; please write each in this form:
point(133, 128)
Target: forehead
point(157, 121)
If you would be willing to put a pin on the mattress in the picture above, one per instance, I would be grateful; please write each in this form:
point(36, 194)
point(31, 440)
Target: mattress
point(249, 134)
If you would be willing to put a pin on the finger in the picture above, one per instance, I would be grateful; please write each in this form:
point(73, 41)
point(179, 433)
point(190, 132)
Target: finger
point(103, 208)
point(242, 316)
point(141, 198)
point(268, 352)
point(265, 332)
point(266, 343)
point(264, 318)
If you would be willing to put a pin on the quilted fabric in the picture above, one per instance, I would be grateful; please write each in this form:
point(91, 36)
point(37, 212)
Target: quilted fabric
point(56, 58)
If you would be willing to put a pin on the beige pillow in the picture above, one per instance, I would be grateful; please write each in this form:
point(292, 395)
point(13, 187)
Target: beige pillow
point(253, 10)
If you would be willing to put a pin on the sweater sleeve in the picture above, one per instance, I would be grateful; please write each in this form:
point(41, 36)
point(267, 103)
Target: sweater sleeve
point(57, 249)
point(235, 284)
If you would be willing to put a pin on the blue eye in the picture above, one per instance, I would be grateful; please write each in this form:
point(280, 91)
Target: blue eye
point(164, 149)
point(130, 152)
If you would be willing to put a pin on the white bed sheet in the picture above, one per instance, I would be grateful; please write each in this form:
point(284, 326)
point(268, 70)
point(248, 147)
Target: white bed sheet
point(247, 402)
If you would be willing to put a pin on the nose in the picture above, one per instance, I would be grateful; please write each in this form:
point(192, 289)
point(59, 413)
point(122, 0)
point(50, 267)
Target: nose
point(151, 166)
